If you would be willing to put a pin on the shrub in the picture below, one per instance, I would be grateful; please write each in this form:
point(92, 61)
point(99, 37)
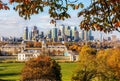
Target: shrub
point(41, 68)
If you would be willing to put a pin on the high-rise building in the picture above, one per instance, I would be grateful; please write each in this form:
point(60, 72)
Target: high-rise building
point(62, 28)
point(88, 35)
point(54, 34)
point(85, 35)
point(41, 34)
point(76, 36)
point(25, 36)
point(35, 33)
point(73, 29)
point(49, 34)
point(59, 33)
point(101, 37)
point(30, 35)
point(82, 35)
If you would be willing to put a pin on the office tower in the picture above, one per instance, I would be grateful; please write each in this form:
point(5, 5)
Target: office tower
point(90, 37)
point(101, 37)
point(76, 36)
point(68, 33)
point(41, 35)
point(30, 35)
point(86, 35)
point(59, 33)
point(62, 28)
point(35, 33)
point(73, 29)
point(49, 34)
point(65, 30)
point(60, 38)
point(25, 36)
point(81, 35)
point(54, 34)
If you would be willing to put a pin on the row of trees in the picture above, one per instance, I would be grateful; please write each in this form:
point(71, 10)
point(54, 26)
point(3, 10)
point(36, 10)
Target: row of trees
point(39, 44)
point(103, 65)
point(33, 44)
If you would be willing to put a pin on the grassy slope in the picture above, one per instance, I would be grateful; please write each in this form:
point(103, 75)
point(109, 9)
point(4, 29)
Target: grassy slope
point(11, 71)
point(67, 70)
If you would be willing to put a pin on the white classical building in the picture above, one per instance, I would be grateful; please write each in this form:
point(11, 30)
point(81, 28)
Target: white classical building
point(26, 55)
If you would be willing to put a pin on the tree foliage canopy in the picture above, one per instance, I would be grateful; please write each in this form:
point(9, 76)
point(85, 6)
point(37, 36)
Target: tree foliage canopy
point(102, 15)
point(86, 65)
point(103, 65)
point(42, 68)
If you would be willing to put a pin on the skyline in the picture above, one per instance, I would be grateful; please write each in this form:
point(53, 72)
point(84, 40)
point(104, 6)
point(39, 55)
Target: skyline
point(12, 25)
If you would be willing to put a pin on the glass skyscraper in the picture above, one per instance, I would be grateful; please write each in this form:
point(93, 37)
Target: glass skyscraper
point(25, 37)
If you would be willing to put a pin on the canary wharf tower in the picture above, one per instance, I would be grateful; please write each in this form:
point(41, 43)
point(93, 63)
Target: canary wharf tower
point(25, 36)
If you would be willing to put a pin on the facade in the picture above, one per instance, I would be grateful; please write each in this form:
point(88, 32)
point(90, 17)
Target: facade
point(87, 35)
point(76, 36)
point(27, 55)
point(25, 37)
point(11, 49)
point(54, 34)
point(35, 34)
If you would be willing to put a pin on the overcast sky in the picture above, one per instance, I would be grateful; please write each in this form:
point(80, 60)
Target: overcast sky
point(12, 25)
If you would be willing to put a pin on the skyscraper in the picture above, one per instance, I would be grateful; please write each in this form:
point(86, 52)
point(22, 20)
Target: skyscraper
point(76, 36)
point(101, 37)
point(88, 35)
point(62, 28)
point(35, 33)
point(82, 35)
point(54, 34)
point(73, 29)
point(25, 36)
point(86, 38)
point(49, 35)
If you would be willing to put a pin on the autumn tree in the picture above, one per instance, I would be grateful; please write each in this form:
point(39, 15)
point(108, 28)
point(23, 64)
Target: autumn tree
point(109, 64)
point(103, 65)
point(29, 44)
point(86, 66)
point(42, 68)
point(76, 48)
point(3, 6)
point(37, 44)
point(102, 15)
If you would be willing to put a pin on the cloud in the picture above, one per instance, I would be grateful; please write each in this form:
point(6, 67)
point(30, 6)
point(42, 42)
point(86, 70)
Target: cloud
point(13, 25)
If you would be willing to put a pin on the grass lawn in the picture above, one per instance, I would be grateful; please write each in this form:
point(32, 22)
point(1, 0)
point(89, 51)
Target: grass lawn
point(11, 71)
point(67, 70)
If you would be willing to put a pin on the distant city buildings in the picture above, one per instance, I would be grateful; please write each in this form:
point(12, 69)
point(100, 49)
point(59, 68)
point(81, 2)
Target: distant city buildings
point(11, 39)
point(58, 34)
point(61, 33)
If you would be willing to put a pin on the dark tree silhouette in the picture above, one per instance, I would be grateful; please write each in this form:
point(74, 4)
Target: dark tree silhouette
point(42, 68)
